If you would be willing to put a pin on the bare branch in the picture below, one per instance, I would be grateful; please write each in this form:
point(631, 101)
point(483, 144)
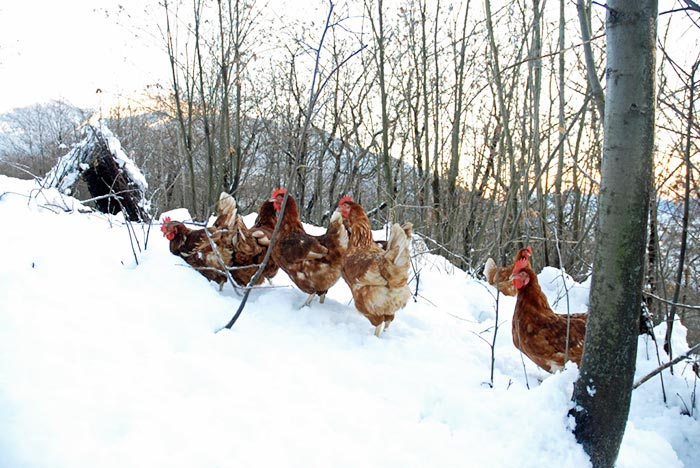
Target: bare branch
point(665, 366)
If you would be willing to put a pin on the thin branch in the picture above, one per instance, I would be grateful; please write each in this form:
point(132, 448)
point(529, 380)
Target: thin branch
point(665, 366)
point(666, 301)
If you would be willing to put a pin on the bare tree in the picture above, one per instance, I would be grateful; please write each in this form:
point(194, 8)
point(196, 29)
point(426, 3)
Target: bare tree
point(36, 136)
point(603, 391)
point(380, 35)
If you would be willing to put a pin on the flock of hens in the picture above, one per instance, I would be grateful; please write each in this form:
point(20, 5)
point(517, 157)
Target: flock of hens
point(375, 271)
point(377, 274)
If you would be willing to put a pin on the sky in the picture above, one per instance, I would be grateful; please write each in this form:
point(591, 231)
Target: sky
point(109, 357)
point(69, 49)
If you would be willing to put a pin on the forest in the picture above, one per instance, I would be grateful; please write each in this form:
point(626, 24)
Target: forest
point(479, 122)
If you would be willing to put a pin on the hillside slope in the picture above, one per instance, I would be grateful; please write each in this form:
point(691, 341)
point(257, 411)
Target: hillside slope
point(112, 363)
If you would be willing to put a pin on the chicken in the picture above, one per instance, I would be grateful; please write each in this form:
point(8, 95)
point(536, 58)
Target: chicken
point(500, 277)
point(540, 333)
point(312, 262)
point(194, 246)
point(376, 276)
point(248, 248)
point(262, 232)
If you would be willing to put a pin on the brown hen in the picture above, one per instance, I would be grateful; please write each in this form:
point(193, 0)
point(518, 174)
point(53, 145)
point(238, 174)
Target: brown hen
point(194, 246)
point(312, 262)
point(540, 333)
point(248, 250)
point(262, 231)
point(376, 276)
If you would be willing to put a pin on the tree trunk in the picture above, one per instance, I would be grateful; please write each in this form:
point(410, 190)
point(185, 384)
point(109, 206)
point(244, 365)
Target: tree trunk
point(204, 103)
point(559, 198)
point(602, 392)
point(185, 126)
point(686, 214)
point(384, 159)
point(596, 88)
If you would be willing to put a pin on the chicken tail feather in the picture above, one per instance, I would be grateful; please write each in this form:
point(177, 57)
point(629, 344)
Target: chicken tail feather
point(397, 257)
point(490, 271)
point(226, 212)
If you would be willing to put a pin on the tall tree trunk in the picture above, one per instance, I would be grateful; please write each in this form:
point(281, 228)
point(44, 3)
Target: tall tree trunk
point(435, 184)
point(686, 214)
point(224, 107)
point(184, 125)
point(602, 392)
point(460, 51)
point(425, 170)
point(239, 38)
point(204, 104)
point(535, 82)
point(506, 143)
point(385, 159)
point(584, 17)
point(559, 197)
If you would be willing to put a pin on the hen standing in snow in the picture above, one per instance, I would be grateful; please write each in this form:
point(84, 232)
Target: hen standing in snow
point(500, 277)
point(312, 262)
point(262, 231)
point(539, 332)
point(249, 247)
point(194, 247)
point(377, 277)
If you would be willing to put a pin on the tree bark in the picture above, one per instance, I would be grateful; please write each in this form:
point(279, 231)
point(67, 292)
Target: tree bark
point(596, 88)
point(602, 392)
point(559, 199)
point(686, 215)
point(385, 159)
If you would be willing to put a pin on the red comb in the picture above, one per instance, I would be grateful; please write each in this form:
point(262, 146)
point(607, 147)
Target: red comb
point(345, 199)
point(520, 265)
point(277, 192)
point(166, 220)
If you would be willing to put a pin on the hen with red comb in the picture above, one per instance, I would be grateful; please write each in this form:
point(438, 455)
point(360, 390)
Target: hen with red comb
point(194, 246)
point(376, 276)
point(539, 332)
point(312, 262)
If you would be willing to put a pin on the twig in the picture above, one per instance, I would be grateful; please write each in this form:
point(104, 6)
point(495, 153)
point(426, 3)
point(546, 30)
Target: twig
point(666, 301)
point(676, 360)
point(21, 168)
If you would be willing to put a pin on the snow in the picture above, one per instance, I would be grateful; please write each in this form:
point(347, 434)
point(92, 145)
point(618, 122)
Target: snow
point(112, 363)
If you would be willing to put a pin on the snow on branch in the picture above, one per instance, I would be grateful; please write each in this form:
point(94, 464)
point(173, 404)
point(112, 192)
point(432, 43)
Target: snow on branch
point(114, 180)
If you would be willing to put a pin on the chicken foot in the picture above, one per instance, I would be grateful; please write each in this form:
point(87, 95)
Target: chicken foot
point(307, 303)
point(378, 329)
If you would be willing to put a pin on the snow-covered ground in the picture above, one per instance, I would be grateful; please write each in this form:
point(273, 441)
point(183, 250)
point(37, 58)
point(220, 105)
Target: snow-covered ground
point(110, 362)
